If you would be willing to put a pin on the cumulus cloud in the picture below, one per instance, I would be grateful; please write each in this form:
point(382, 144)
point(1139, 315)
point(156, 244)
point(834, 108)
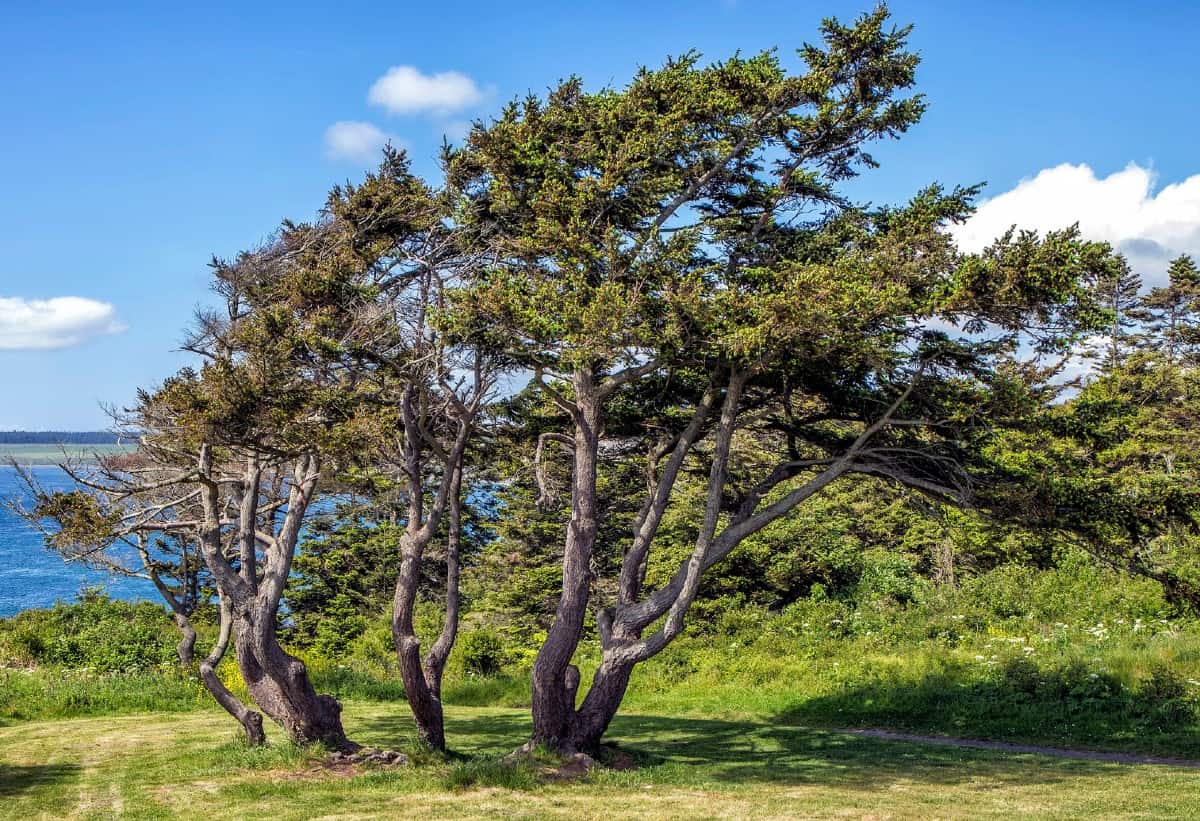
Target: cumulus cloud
point(353, 140)
point(1150, 227)
point(46, 324)
point(405, 90)
point(456, 130)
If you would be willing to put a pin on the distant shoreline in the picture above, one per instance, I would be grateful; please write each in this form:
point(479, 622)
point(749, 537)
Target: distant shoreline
point(41, 455)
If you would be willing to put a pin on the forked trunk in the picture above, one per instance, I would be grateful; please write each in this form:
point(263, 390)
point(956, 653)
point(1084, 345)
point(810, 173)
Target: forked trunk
point(555, 679)
point(435, 659)
point(278, 683)
point(250, 720)
point(599, 706)
point(423, 678)
point(581, 730)
point(426, 706)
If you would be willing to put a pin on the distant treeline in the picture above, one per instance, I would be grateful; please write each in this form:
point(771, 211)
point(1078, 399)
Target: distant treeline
point(57, 437)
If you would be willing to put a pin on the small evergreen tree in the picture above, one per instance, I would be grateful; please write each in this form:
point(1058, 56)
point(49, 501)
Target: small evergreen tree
point(1119, 292)
point(1171, 313)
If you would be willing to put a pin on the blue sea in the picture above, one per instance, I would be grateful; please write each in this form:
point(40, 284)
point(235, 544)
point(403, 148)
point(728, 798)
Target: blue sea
point(31, 575)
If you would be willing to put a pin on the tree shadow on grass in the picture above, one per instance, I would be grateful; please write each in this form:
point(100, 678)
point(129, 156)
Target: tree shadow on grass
point(741, 752)
point(668, 749)
point(487, 734)
point(1050, 708)
point(17, 779)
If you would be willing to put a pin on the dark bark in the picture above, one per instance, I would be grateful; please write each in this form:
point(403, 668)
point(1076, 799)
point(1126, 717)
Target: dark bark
point(621, 627)
point(278, 683)
point(423, 677)
point(588, 724)
point(250, 720)
point(555, 680)
point(600, 705)
point(435, 660)
point(426, 706)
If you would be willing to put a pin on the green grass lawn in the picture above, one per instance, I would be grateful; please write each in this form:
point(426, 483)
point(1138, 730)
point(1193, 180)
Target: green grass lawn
point(191, 765)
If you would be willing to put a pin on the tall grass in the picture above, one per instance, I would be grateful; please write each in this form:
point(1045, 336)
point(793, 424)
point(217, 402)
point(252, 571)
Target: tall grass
point(1072, 656)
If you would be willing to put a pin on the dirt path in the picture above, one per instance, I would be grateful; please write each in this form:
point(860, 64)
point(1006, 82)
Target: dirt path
point(1007, 747)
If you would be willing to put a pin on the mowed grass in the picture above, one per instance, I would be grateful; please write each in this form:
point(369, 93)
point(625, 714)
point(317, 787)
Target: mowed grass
point(192, 766)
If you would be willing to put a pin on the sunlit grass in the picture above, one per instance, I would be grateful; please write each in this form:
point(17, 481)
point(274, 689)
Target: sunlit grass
point(193, 766)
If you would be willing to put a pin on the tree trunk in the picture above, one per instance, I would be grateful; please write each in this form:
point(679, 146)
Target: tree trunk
point(600, 705)
point(278, 683)
point(423, 678)
point(186, 649)
point(435, 659)
point(250, 720)
point(622, 646)
point(555, 679)
point(426, 706)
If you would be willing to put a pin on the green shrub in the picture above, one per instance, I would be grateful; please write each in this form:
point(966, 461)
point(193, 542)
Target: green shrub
point(1163, 685)
point(888, 575)
point(96, 633)
point(482, 652)
point(1022, 675)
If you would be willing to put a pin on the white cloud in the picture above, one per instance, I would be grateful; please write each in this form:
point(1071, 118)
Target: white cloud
point(405, 90)
point(358, 141)
point(456, 130)
point(1149, 227)
point(46, 324)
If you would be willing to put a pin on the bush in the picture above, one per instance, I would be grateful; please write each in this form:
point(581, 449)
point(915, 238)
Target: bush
point(96, 633)
point(482, 652)
point(888, 575)
point(1162, 685)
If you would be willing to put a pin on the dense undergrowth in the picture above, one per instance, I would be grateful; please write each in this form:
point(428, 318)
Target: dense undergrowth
point(1074, 655)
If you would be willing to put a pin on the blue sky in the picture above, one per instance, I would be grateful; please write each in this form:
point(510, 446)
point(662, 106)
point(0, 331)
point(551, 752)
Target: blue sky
point(138, 140)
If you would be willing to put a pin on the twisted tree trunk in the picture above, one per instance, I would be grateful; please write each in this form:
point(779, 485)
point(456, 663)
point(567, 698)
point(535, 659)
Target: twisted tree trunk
point(426, 706)
point(278, 683)
point(435, 661)
point(622, 627)
point(555, 680)
point(250, 720)
point(186, 649)
point(423, 677)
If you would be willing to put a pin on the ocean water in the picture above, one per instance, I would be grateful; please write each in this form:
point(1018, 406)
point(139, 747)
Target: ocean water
point(32, 576)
